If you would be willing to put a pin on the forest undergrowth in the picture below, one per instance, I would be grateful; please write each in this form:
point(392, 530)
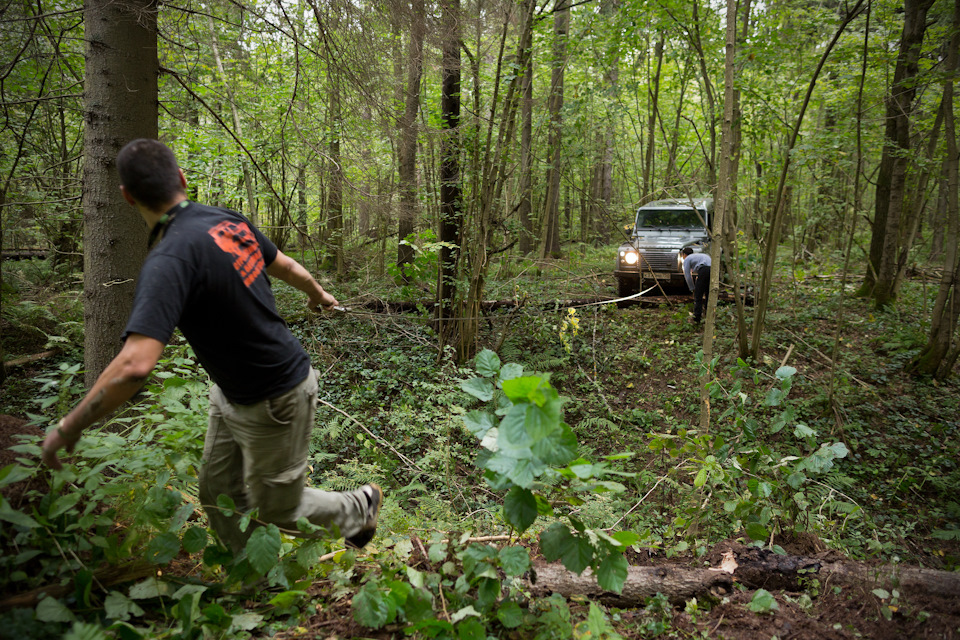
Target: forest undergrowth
point(577, 442)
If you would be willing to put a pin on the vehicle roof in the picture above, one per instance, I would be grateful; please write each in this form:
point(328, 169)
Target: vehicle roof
point(699, 203)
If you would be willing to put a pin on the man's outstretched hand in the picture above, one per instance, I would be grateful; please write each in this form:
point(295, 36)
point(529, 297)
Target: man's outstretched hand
point(56, 439)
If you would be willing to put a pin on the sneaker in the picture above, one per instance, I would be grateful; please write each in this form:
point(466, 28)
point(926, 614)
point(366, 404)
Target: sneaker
point(374, 496)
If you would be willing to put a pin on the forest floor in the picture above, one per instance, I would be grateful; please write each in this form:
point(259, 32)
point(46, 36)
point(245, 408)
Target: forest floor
point(635, 366)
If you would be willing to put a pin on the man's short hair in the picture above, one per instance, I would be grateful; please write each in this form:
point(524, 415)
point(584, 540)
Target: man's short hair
point(149, 172)
point(687, 251)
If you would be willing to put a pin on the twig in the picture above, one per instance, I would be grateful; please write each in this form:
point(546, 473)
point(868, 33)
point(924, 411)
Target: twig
point(376, 437)
point(646, 495)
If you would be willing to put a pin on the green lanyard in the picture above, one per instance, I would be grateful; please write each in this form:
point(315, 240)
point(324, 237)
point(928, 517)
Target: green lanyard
point(163, 222)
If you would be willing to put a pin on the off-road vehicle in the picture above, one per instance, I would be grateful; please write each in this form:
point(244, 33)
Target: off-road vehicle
point(662, 228)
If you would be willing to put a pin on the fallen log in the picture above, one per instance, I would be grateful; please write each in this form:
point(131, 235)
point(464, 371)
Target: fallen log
point(19, 362)
point(677, 583)
point(761, 568)
point(105, 577)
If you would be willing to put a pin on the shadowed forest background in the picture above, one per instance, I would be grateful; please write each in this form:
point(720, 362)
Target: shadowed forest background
point(459, 174)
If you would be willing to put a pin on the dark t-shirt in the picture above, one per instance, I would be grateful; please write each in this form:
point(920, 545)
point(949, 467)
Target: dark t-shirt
point(208, 277)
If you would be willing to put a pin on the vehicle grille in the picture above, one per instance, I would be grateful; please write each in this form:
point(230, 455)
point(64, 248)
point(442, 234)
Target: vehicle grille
point(658, 261)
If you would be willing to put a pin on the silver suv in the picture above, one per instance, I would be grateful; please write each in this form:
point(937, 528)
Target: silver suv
point(661, 230)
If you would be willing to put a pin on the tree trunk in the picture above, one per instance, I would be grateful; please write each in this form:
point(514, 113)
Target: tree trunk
point(407, 160)
point(334, 247)
point(724, 198)
point(711, 115)
point(525, 57)
point(120, 104)
point(652, 119)
point(451, 204)
point(880, 277)
point(939, 354)
point(916, 203)
point(550, 246)
point(678, 584)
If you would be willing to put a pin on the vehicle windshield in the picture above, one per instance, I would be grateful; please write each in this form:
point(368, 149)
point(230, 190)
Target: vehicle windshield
point(668, 218)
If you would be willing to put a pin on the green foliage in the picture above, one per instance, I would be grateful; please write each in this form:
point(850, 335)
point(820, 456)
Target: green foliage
point(531, 453)
point(421, 272)
point(767, 482)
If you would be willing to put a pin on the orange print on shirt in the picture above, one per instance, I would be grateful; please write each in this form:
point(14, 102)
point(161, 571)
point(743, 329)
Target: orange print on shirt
point(238, 240)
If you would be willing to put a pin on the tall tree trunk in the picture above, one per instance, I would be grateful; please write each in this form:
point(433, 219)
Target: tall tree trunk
point(550, 246)
point(711, 115)
point(493, 171)
point(654, 108)
point(725, 198)
point(451, 205)
point(525, 57)
point(729, 226)
point(334, 248)
point(880, 277)
point(407, 161)
point(120, 104)
point(916, 203)
point(941, 350)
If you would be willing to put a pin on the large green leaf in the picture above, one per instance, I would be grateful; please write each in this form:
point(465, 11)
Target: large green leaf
point(14, 516)
point(370, 606)
point(510, 371)
point(194, 539)
point(488, 363)
point(14, 473)
point(756, 531)
point(612, 572)
point(478, 422)
point(478, 388)
point(514, 560)
point(119, 607)
point(524, 388)
point(559, 448)
point(263, 548)
point(163, 548)
point(554, 541)
point(520, 508)
point(510, 614)
point(575, 552)
point(52, 610)
point(513, 428)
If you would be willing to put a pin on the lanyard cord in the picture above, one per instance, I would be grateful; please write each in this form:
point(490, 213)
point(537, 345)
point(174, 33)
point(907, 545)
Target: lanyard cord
point(163, 222)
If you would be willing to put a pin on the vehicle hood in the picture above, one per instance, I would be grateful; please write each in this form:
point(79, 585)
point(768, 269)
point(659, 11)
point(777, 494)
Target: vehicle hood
point(675, 238)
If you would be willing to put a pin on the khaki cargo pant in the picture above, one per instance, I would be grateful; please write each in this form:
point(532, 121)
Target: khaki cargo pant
point(257, 455)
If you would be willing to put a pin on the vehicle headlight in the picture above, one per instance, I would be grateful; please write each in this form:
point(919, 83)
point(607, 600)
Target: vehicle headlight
point(629, 257)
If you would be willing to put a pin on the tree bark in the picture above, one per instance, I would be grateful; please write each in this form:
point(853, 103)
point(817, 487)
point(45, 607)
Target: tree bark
point(407, 160)
point(880, 277)
point(334, 247)
point(451, 204)
point(527, 234)
point(939, 354)
point(724, 198)
point(678, 584)
point(550, 246)
point(120, 104)
point(652, 119)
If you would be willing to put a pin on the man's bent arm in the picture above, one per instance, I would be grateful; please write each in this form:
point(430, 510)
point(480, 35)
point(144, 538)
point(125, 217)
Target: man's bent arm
point(122, 378)
point(293, 273)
